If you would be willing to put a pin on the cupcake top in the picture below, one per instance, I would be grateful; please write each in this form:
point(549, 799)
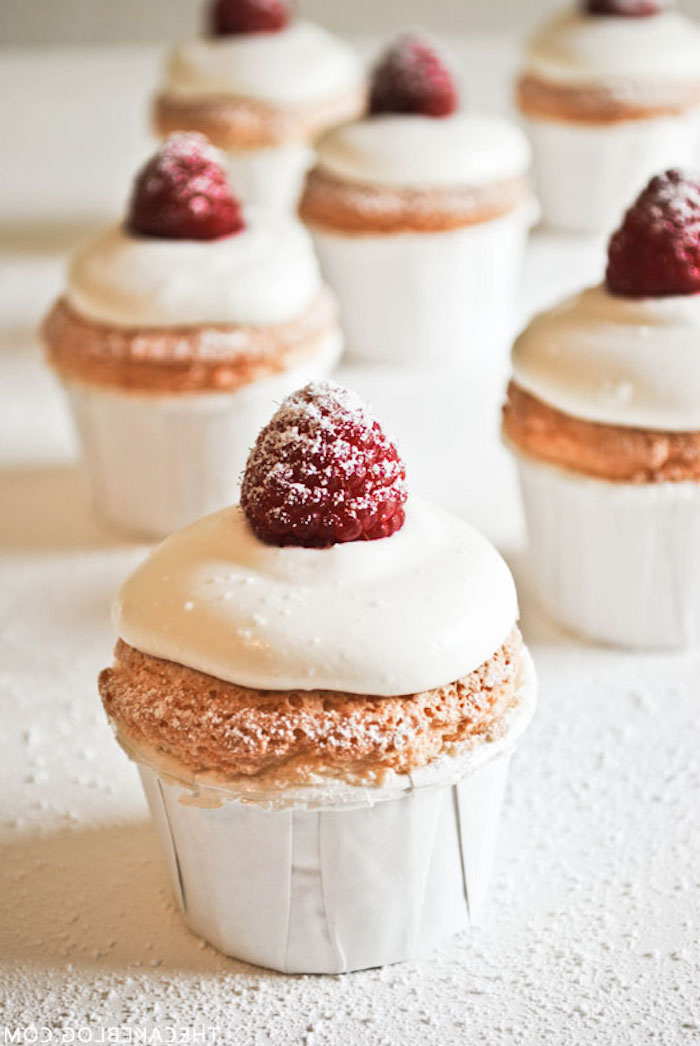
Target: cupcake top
point(187, 254)
point(648, 43)
point(289, 64)
point(414, 136)
point(417, 150)
point(626, 352)
point(327, 577)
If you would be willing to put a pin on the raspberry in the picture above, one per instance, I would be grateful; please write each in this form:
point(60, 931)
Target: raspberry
point(182, 194)
point(656, 250)
point(230, 17)
point(323, 472)
point(411, 77)
point(626, 8)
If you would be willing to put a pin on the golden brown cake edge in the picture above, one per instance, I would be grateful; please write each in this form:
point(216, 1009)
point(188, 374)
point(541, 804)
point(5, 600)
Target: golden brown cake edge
point(612, 452)
point(204, 358)
point(276, 738)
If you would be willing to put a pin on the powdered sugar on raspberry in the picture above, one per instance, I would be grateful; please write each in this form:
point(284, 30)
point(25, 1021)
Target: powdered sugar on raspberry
point(322, 472)
point(183, 193)
point(656, 250)
point(412, 76)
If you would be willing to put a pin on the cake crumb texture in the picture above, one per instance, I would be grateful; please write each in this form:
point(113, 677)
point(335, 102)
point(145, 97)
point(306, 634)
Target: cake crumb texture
point(614, 452)
point(357, 208)
point(214, 358)
point(606, 104)
point(248, 123)
point(210, 726)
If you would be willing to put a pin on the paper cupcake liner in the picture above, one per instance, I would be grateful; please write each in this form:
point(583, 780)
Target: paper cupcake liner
point(158, 462)
point(330, 886)
point(428, 299)
point(272, 177)
point(587, 176)
point(617, 562)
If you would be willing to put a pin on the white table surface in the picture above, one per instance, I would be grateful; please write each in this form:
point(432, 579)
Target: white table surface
point(591, 932)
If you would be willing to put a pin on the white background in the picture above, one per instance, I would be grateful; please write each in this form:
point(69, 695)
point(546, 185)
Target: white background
point(78, 21)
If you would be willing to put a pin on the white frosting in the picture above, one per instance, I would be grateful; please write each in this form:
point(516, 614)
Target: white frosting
point(300, 64)
point(395, 616)
point(265, 274)
point(618, 361)
point(408, 150)
point(586, 49)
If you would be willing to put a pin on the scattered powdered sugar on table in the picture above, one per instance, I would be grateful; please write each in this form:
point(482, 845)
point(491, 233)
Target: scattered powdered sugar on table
point(590, 934)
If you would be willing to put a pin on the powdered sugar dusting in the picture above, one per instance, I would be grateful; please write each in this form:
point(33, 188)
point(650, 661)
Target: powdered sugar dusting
point(322, 471)
point(275, 738)
point(183, 193)
point(656, 250)
point(185, 147)
point(412, 76)
point(590, 934)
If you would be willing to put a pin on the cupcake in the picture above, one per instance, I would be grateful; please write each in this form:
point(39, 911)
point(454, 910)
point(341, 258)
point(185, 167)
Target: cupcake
point(603, 415)
point(179, 332)
point(420, 214)
point(610, 92)
point(263, 86)
point(322, 688)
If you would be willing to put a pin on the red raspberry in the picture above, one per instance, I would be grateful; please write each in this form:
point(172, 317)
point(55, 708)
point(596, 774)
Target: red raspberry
point(322, 472)
point(626, 8)
point(412, 77)
point(182, 194)
point(656, 250)
point(231, 17)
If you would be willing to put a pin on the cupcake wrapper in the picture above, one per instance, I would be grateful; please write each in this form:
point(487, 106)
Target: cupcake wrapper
point(341, 887)
point(329, 891)
point(427, 299)
point(587, 176)
point(158, 462)
point(617, 562)
point(271, 177)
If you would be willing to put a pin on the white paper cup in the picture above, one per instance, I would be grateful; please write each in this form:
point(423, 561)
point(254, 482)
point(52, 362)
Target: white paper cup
point(617, 562)
point(428, 299)
point(587, 176)
point(366, 878)
point(158, 462)
point(272, 177)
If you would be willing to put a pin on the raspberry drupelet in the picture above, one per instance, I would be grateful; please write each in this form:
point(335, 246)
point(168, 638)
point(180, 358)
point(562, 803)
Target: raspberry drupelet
point(656, 250)
point(412, 77)
point(182, 193)
point(323, 472)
